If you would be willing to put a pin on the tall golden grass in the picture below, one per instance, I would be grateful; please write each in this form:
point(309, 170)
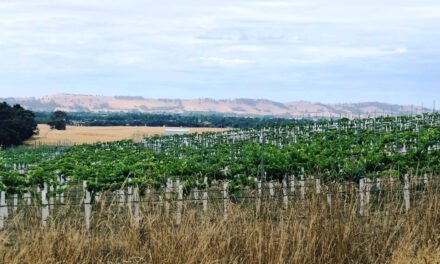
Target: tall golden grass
point(309, 231)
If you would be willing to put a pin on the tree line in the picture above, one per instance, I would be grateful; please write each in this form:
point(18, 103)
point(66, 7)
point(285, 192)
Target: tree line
point(176, 120)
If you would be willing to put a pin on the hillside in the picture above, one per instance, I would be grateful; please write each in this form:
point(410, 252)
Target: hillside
point(242, 107)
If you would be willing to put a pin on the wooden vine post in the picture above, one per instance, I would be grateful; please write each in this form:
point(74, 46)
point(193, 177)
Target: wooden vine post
point(129, 196)
point(51, 198)
point(329, 196)
point(45, 208)
point(259, 195)
point(302, 183)
point(225, 201)
point(205, 195)
point(168, 196)
point(87, 205)
point(136, 199)
point(406, 193)
point(292, 183)
point(271, 189)
point(318, 186)
point(28, 198)
point(361, 197)
point(15, 202)
point(3, 209)
point(179, 204)
point(285, 196)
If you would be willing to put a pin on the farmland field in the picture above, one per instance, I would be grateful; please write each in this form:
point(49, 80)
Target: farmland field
point(79, 135)
point(329, 191)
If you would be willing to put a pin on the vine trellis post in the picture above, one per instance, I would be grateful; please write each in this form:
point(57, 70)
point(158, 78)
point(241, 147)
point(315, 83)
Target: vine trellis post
point(261, 172)
point(168, 196)
point(302, 183)
point(136, 199)
point(362, 197)
point(205, 195)
point(292, 183)
point(406, 193)
point(329, 196)
point(285, 196)
point(225, 201)
point(45, 208)
point(15, 202)
point(129, 196)
point(179, 203)
point(3, 209)
point(87, 205)
point(318, 186)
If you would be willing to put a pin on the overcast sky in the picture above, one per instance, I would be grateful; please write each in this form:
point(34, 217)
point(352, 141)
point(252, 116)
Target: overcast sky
point(315, 50)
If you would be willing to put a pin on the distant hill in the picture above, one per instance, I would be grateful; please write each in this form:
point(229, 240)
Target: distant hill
point(240, 107)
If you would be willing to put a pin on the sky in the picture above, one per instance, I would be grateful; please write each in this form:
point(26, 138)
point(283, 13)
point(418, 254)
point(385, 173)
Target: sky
point(315, 50)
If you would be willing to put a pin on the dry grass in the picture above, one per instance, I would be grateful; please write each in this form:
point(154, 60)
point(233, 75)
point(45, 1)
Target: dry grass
point(317, 234)
point(79, 135)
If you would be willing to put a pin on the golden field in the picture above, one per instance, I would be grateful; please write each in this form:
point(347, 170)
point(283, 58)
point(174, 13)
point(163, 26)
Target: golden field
point(75, 135)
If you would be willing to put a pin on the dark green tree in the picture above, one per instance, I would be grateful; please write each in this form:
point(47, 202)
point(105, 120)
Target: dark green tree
point(58, 120)
point(16, 125)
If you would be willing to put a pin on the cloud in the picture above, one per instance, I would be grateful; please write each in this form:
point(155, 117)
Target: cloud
point(121, 59)
point(176, 43)
point(223, 62)
point(324, 54)
point(243, 48)
point(7, 5)
point(276, 4)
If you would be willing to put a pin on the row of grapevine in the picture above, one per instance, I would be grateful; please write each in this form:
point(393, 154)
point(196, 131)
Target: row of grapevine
point(329, 150)
point(369, 197)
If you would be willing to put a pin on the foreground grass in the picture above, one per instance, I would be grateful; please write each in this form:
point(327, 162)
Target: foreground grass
point(318, 234)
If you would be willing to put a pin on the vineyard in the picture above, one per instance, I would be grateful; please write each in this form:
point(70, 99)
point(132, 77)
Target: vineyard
point(332, 151)
point(337, 169)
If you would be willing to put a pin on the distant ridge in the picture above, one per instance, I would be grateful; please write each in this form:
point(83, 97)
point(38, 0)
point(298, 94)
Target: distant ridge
point(239, 107)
